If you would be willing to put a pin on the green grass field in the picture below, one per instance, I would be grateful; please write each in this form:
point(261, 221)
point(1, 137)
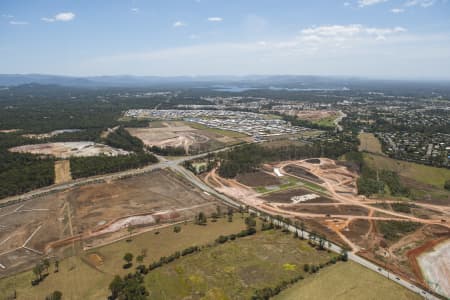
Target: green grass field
point(288, 182)
point(346, 281)
point(420, 173)
point(235, 269)
point(79, 279)
point(314, 187)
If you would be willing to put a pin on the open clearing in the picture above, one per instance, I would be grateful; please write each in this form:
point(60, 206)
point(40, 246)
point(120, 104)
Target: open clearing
point(193, 139)
point(369, 143)
point(316, 115)
point(83, 277)
point(347, 281)
point(70, 149)
point(235, 269)
point(96, 214)
point(62, 171)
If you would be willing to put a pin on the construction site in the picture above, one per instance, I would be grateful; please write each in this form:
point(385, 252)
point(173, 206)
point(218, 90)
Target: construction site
point(324, 197)
point(95, 214)
point(180, 134)
point(70, 149)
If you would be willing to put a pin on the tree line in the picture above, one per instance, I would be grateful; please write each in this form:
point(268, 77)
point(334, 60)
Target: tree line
point(91, 166)
point(248, 158)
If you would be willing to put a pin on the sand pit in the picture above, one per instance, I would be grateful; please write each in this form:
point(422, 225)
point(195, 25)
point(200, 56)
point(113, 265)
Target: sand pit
point(70, 149)
point(435, 266)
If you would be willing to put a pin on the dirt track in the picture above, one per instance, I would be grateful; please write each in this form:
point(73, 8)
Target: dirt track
point(340, 214)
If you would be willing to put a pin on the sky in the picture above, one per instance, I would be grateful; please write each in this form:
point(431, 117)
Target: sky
point(404, 39)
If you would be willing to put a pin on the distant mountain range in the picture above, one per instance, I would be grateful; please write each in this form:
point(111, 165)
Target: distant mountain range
point(256, 81)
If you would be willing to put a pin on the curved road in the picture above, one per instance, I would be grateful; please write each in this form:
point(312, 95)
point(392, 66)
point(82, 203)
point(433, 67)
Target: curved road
point(175, 165)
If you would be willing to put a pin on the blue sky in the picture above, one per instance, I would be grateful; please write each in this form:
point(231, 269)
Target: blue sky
point(374, 38)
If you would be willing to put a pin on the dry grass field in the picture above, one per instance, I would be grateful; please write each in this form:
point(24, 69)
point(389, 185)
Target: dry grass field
point(235, 269)
point(83, 277)
point(347, 281)
point(368, 142)
point(62, 171)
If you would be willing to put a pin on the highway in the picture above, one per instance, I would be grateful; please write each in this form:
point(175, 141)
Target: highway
point(162, 164)
point(175, 166)
point(333, 247)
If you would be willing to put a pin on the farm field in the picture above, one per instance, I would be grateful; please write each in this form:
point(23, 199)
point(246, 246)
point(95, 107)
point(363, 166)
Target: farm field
point(346, 281)
point(95, 213)
point(368, 142)
point(88, 274)
point(193, 138)
point(235, 269)
point(70, 149)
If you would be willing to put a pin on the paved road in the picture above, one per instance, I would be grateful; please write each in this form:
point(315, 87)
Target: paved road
point(162, 164)
point(175, 165)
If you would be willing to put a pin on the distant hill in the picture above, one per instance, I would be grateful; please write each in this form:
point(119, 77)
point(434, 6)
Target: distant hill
point(295, 82)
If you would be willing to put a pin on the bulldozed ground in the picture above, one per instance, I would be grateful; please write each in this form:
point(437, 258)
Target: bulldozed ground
point(193, 139)
point(70, 149)
point(95, 214)
point(327, 202)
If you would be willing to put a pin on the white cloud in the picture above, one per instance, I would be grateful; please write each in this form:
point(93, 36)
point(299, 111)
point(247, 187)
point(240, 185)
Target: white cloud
point(61, 17)
point(179, 24)
point(135, 10)
point(346, 3)
point(65, 16)
point(48, 20)
point(397, 10)
point(18, 23)
point(422, 3)
point(341, 33)
point(215, 19)
point(364, 3)
point(320, 56)
point(7, 16)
